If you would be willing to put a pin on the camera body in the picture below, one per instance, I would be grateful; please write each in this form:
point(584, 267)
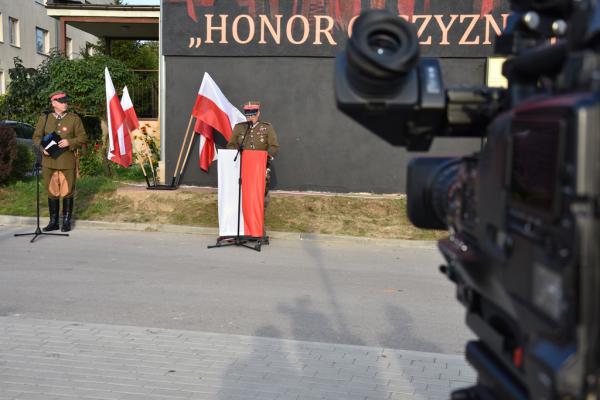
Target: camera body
point(523, 214)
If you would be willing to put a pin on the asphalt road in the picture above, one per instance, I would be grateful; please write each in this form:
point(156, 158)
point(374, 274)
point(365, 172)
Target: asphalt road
point(337, 292)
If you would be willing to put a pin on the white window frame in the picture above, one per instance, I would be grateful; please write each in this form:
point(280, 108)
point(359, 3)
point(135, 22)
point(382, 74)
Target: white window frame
point(46, 41)
point(14, 39)
point(69, 48)
point(2, 83)
point(1, 28)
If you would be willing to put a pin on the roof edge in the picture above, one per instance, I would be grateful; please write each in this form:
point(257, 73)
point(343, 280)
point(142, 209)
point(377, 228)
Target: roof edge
point(102, 7)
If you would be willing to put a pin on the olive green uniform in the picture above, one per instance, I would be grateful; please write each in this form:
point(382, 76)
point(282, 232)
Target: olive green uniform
point(68, 127)
point(261, 136)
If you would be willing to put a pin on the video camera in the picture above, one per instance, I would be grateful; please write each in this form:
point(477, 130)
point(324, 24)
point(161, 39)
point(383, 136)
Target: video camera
point(523, 214)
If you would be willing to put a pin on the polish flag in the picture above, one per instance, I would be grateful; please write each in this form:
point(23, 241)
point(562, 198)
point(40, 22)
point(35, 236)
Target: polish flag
point(214, 113)
point(131, 118)
point(118, 133)
point(251, 210)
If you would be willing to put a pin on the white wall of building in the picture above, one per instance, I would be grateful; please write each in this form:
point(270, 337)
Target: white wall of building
point(31, 14)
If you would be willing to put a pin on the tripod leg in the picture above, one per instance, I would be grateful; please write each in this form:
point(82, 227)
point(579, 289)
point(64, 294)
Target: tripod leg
point(38, 232)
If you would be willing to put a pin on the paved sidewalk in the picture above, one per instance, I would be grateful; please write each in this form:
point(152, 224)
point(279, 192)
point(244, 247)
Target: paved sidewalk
point(43, 359)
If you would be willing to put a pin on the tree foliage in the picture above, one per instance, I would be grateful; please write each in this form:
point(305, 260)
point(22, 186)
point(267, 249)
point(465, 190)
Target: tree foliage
point(82, 79)
point(136, 54)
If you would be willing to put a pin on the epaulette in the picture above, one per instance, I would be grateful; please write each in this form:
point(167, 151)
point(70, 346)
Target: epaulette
point(266, 123)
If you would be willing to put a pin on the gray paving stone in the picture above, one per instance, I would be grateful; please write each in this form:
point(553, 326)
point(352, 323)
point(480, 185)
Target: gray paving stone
point(43, 359)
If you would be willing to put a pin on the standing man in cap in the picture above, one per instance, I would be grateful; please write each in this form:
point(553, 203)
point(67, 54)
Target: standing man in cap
point(260, 136)
point(60, 173)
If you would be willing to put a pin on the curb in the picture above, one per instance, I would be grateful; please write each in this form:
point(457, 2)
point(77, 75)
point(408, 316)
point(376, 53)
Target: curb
point(11, 220)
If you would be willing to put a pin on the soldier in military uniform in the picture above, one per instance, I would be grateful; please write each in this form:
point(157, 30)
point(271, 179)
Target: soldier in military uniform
point(260, 136)
point(60, 173)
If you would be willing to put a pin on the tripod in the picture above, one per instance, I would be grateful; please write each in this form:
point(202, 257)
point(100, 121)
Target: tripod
point(38, 231)
point(239, 240)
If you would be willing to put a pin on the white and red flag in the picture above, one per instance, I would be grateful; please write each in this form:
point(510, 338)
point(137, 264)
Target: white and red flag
point(131, 118)
point(214, 115)
point(251, 210)
point(119, 140)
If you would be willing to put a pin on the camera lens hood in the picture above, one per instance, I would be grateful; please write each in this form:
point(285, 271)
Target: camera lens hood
point(382, 50)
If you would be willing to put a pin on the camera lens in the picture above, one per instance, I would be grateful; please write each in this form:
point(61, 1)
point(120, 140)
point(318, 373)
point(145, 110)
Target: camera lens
point(382, 50)
point(428, 187)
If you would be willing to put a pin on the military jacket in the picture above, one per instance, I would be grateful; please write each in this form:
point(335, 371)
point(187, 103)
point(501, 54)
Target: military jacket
point(69, 127)
point(261, 136)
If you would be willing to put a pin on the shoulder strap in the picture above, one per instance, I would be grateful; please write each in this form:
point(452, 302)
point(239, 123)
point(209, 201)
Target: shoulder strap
point(46, 122)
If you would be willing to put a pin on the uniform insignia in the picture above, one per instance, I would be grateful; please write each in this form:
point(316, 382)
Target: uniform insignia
point(64, 128)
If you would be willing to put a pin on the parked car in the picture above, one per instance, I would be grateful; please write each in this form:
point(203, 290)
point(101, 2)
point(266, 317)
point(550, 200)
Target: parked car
point(24, 131)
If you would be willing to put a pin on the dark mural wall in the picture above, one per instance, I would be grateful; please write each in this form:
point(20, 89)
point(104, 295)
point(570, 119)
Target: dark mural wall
point(321, 149)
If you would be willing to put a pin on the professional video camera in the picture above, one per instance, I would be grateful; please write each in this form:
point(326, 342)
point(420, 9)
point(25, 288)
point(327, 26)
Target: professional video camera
point(523, 214)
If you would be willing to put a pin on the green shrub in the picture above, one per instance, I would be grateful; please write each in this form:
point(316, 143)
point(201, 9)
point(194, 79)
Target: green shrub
point(8, 152)
point(133, 173)
point(90, 161)
point(23, 162)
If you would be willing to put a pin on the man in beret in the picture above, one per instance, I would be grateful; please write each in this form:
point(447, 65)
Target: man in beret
point(260, 136)
point(60, 173)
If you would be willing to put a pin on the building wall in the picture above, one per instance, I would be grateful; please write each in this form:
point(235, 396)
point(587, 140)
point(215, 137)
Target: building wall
point(321, 149)
point(271, 56)
point(32, 14)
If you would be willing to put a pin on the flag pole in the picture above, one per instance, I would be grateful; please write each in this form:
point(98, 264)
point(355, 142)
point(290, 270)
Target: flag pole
point(187, 154)
point(181, 150)
point(151, 166)
point(144, 171)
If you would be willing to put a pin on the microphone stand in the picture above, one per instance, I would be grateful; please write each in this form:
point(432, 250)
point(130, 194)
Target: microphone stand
point(239, 240)
point(38, 231)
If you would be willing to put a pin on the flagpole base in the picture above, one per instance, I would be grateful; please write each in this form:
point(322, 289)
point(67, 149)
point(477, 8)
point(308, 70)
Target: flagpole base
point(161, 187)
point(250, 242)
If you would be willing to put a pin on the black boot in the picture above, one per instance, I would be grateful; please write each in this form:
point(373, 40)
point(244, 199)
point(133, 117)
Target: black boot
point(67, 213)
point(53, 205)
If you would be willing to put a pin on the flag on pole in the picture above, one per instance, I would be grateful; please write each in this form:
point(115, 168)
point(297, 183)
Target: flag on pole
point(131, 118)
point(119, 150)
point(214, 114)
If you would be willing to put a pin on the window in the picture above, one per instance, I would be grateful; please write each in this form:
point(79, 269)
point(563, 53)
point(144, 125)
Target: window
point(1, 29)
point(69, 48)
point(14, 36)
point(42, 43)
point(42, 2)
point(2, 83)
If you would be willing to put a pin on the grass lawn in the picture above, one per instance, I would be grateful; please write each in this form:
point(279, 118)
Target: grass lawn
point(104, 199)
